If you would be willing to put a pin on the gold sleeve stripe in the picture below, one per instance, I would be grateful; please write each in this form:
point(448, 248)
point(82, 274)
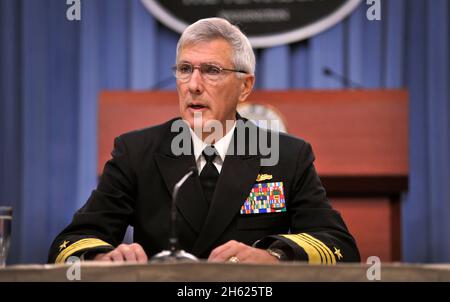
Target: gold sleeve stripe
point(325, 248)
point(312, 252)
point(79, 245)
point(325, 256)
point(322, 253)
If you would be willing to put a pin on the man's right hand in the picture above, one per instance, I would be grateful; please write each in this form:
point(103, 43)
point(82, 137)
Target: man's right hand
point(133, 253)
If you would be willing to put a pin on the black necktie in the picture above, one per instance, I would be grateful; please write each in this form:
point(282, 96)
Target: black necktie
point(209, 175)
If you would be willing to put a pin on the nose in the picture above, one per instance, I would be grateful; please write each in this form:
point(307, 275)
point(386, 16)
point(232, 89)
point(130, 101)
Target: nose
point(195, 83)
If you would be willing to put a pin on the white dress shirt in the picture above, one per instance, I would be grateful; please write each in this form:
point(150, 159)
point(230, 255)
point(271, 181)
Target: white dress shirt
point(221, 146)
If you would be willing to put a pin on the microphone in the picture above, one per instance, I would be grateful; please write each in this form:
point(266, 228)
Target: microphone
point(174, 253)
point(341, 78)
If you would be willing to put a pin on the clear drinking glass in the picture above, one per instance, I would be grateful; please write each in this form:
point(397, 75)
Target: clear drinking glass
point(5, 233)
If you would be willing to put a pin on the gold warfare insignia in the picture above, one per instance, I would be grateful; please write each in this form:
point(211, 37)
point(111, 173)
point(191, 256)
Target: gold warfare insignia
point(262, 177)
point(337, 252)
point(63, 245)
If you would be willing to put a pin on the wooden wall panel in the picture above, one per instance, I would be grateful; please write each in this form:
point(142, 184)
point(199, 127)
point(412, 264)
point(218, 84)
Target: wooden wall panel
point(374, 224)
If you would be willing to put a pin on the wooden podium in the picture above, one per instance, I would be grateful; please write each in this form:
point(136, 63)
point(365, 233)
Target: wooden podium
point(360, 139)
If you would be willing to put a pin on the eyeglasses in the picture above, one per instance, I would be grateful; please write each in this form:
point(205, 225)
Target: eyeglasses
point(210, 72)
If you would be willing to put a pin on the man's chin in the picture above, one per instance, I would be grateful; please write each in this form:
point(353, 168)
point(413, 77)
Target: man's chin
point(203, 124)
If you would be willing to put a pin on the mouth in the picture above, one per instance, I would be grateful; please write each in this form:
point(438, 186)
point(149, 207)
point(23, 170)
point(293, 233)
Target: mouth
point(197, 107)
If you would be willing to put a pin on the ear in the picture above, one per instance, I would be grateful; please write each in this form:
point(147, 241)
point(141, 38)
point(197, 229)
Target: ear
point(247, 87)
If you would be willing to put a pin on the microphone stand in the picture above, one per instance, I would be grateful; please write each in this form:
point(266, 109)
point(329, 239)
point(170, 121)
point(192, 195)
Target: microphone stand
point(174, 254)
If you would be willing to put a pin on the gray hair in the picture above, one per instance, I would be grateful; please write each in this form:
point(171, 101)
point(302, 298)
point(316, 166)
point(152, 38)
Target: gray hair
point(209, 29)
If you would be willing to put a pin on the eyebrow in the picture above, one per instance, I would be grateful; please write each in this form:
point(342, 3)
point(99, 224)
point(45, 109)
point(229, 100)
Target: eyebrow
point(211, 63)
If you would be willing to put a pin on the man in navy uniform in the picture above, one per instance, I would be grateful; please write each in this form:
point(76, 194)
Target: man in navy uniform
point(236, 209)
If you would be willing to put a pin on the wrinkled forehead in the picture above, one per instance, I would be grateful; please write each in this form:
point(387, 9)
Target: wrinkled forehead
point(215, 50)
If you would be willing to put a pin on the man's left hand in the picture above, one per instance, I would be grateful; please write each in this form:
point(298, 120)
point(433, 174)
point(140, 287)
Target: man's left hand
point(234, 251)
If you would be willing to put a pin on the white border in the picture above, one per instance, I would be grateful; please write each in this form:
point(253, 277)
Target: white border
point(263, 41)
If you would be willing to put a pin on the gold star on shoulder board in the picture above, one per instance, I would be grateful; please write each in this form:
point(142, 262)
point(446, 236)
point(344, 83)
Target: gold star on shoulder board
point(337, 252)
point(63, 245)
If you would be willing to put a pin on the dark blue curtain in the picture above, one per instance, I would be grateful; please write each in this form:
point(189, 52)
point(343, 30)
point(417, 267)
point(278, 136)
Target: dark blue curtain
point(52, 71)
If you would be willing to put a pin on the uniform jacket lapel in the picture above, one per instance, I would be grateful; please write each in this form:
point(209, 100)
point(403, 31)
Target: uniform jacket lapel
point(190, 203)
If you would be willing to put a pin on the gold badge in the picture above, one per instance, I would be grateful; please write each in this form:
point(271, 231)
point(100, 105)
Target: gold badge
point(63, 245)
point(262, 177)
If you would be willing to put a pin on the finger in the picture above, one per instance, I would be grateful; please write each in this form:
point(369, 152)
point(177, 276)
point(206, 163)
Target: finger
point(101, 257)
point(127, 252)
point(116, 256)
point(226, 254)
point(241, 251)
point(245, 255)
point(220, 249)
point(141, 256)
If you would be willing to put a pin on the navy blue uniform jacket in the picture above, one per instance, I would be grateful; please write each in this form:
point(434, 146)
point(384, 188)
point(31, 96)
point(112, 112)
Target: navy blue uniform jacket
point(136, 185)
